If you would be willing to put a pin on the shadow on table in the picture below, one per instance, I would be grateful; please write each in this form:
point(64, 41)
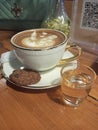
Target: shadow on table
point(26, 90)
point(95, 66)
point(55, 94)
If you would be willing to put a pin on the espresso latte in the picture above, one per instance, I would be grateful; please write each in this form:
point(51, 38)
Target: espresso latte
point(37, 39)
point(40, 49)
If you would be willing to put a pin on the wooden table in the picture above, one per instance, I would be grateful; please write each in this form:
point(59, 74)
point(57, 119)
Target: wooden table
point(22, 109)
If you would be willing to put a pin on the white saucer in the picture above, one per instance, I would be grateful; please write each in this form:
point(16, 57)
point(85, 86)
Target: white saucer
point(49, 79)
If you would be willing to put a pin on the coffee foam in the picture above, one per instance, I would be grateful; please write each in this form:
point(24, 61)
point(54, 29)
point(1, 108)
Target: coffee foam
point(37, 40)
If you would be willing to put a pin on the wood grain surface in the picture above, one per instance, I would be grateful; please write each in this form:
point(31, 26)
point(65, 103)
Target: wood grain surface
point(24, 109)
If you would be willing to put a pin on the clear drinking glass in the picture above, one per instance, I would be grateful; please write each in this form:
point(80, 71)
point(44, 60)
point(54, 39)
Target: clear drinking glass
point(77, 81)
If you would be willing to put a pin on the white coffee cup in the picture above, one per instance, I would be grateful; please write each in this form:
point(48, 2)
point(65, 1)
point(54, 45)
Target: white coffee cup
point(41, 49)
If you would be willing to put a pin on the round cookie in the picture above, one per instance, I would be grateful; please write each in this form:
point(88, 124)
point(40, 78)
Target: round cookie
point(24, 77)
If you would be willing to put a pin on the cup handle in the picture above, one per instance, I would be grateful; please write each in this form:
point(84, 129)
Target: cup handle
point(75, 56)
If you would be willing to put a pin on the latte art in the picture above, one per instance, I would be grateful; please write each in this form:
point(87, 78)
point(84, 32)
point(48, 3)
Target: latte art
point(40, 40)
point(39, 49)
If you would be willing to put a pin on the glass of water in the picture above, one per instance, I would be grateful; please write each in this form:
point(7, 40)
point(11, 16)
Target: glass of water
point(77, 81)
